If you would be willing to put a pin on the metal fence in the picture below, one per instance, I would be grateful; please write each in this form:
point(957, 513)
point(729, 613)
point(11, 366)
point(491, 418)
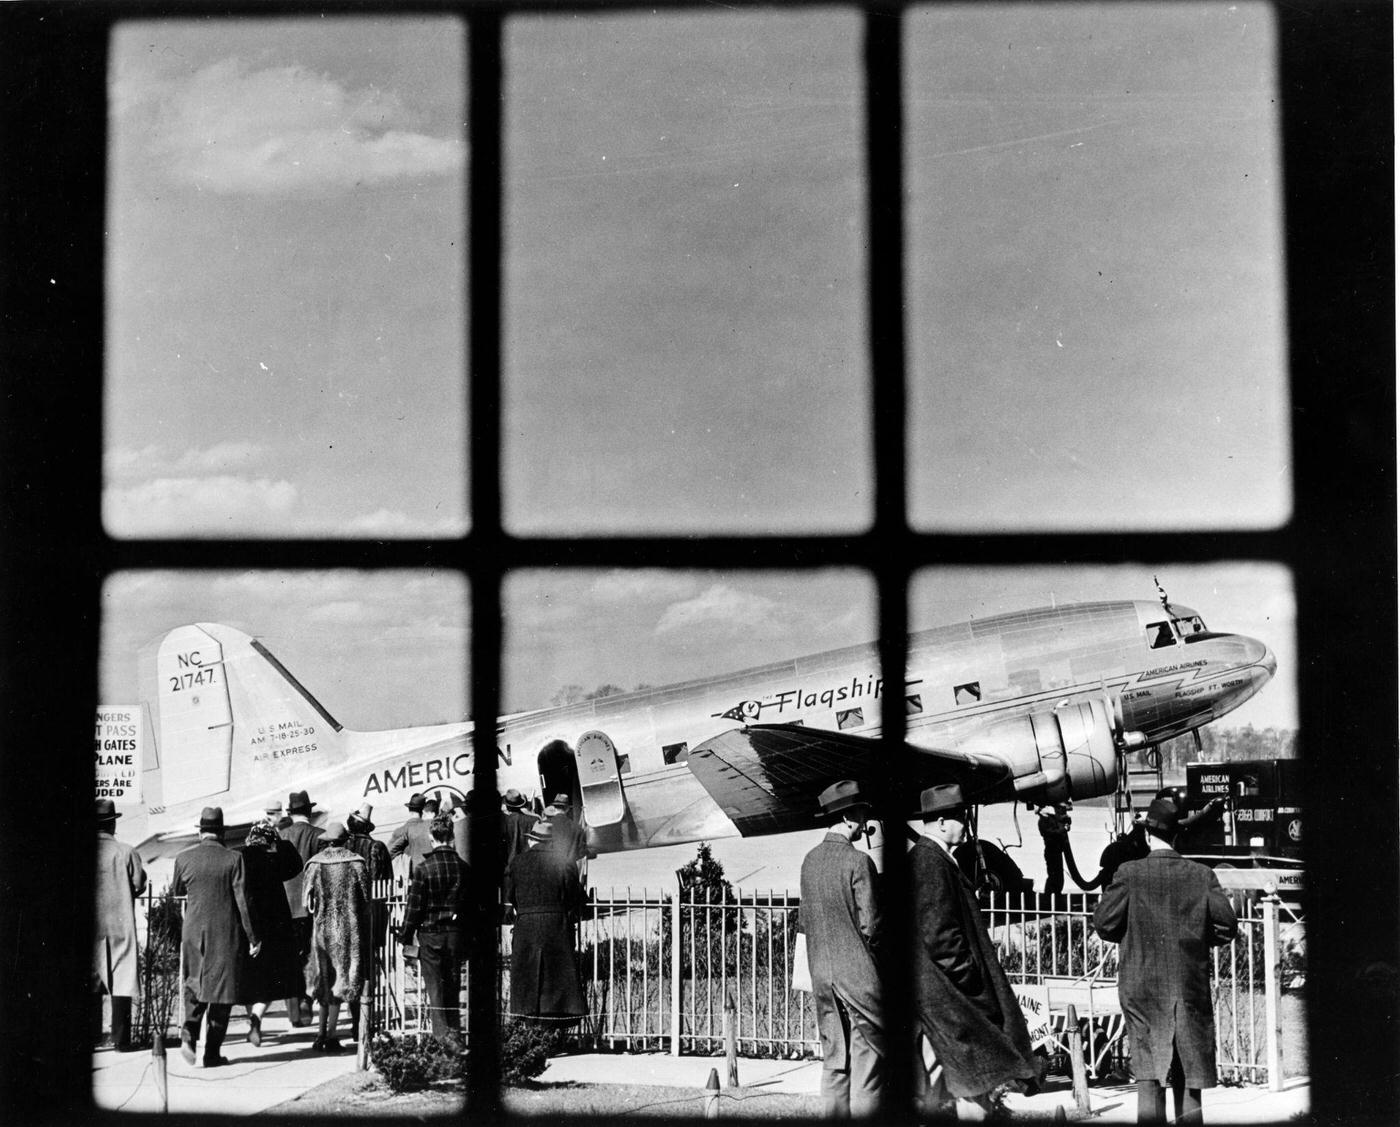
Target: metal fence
point(660, 970)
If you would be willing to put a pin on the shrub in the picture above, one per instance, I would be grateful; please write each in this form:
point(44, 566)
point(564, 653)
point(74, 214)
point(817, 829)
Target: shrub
point(525, 1050)
point(414, 1061)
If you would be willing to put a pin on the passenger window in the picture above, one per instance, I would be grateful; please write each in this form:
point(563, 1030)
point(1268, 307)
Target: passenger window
point(970, 693)
point(851, 718)
point(913, 704)
point(675, 753)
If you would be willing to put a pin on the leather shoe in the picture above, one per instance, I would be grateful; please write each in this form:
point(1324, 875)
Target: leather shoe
point(215, 1062)
point(254, 1031)
point(187, 1048)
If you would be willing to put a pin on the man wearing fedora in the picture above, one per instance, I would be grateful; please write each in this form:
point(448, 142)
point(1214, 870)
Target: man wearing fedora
point(518, 822)
point(546, 895)
point(306, 838)
point(216, 933)
point(1166, 913)
point(413, 837)
point(436, 914)
point(120, 879)
point(381, 870)
point(840, 919)
point(972, 1036)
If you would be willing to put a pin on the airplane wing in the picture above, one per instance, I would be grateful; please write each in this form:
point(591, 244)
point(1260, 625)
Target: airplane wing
point(766, 777)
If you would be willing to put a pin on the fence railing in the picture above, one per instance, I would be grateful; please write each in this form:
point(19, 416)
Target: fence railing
point(659, 969)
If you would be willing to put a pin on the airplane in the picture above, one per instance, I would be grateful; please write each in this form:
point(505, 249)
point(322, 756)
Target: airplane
point(1037, 706)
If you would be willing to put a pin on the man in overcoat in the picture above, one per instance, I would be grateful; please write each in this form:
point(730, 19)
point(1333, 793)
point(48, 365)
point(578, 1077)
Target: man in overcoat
point(518, 822)
point(216, 934)
point(973, 1036)
point(412, 837)
point(381, 870)
point(543, 888)
point(307, 840)
point(840, 919)
point(1166, 913)
point(120, 879)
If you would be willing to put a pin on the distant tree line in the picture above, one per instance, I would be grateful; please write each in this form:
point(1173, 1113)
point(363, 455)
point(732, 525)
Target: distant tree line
point(1221, 745)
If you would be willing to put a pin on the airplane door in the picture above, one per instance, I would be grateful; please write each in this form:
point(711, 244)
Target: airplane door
point(558, 773)
point(603, 801)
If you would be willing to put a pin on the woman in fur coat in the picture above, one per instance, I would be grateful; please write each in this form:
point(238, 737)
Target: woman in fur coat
point(337, 893)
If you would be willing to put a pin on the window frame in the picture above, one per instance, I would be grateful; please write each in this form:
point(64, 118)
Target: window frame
point(1336, 121)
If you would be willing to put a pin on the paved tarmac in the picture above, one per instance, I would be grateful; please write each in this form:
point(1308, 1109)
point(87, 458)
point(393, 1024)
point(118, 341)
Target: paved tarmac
point(285, 1066)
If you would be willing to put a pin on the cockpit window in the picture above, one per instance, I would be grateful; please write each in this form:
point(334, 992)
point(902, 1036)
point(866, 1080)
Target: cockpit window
point(1190, 626)
point(1160, 634)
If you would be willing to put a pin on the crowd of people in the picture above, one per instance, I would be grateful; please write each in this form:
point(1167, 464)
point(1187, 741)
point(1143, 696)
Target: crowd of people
point(292, 914)
point(971, 1040)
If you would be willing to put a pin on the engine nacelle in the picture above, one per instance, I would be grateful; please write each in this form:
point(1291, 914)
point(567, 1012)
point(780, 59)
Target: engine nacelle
point(1063, 753)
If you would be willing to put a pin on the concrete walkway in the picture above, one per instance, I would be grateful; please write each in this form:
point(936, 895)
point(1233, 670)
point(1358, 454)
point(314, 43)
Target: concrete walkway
point(282, 1068)
point(1108, 1103)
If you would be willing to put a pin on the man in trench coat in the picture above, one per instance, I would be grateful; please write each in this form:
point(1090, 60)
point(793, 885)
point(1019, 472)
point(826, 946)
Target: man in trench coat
point(120, 879)
point(969, 1016)
point(841, 921)
point(543, 888)
point(1167, 912)
point(216, 934)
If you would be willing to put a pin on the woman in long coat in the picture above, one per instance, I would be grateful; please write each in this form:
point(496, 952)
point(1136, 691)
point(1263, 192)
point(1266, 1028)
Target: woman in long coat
point(543, 887)
point(268, 860)
point(337, 892)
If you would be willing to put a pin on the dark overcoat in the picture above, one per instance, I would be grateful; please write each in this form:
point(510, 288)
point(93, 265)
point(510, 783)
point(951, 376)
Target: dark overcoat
point(967, 1009)
point(276, 971)
point(381, 868)
point(1166, 913)
point(217, 928)
point(544, 888)
point(120, 879)
point(841, 920)
point(306, 839)
point(516, 825)
point(338, 900)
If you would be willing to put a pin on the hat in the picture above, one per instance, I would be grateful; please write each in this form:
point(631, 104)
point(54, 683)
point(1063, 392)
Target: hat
point(1162, 815)
point(841, 796)
point(560, 802)
point(514, 799)
point(299, 803)
point(335, 833)
point(942, 801)
point(263, 834)
point(211, 820)
point(415, 803)
point(431, 802)
point(106, 810)
point(360, 819)
point(274, 806)
point(541, 831)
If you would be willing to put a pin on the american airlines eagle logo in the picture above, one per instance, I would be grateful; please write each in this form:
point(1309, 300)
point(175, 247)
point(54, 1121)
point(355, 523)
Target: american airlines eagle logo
point(745, 710)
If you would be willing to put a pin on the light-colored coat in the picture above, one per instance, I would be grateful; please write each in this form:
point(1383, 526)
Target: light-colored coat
point(217, 928)
point(1166, 913)
point(414, 838)
point(120, 879)
point(841, 920)
point(338, 900)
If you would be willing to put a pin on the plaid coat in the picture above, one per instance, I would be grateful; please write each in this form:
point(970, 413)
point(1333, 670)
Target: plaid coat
point(967, 1009)
point(841, 920)
point(1167, 913)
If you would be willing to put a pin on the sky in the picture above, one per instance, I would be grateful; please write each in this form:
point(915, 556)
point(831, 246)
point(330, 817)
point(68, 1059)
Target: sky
point(1096, 323)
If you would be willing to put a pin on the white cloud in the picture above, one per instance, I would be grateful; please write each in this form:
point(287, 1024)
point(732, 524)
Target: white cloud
point(392, 522)
point(152, 461)
point(180, 506)
point(721, 610)
point(624, 586)
point(230, 129)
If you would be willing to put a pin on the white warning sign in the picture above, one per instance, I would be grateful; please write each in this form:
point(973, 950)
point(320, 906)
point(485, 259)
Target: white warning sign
point(118, 749)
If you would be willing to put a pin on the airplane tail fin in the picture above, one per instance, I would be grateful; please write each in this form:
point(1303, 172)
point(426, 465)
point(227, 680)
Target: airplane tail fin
point(232, 725)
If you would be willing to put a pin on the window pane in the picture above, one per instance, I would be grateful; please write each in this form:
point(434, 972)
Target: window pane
point(285, 280)
point(685, 272)
point(1097, 309)
point(248, 684)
